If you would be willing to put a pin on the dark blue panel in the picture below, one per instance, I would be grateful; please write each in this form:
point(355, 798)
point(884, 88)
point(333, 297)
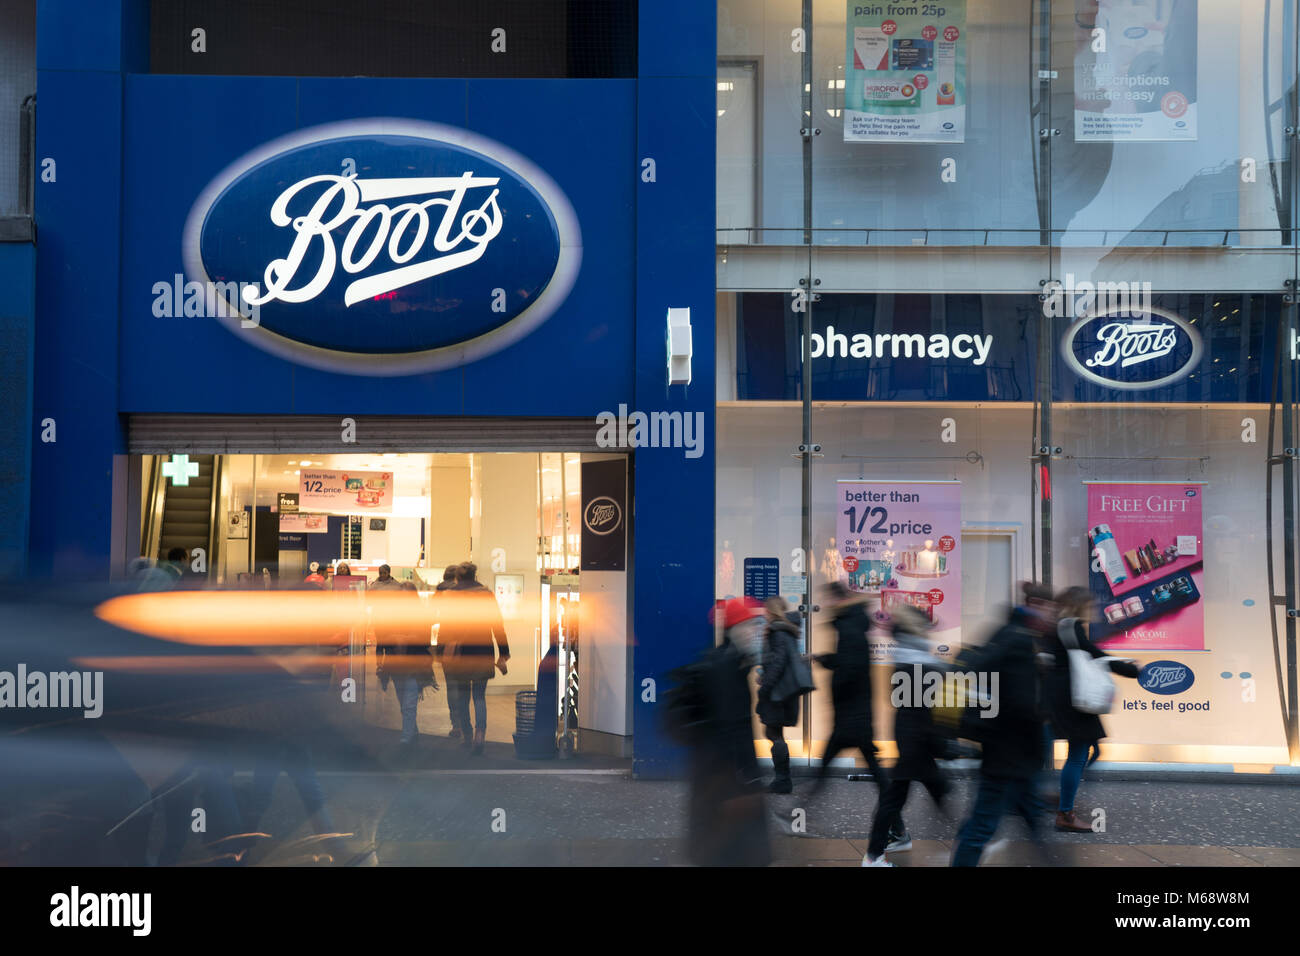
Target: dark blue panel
point(581, 361)
point(79, 35)
point(674, 494)
point(170, 164)
point(890, 347)
point(1202, 347)
point(17, 342)
point(77, 340)
point(679, 38)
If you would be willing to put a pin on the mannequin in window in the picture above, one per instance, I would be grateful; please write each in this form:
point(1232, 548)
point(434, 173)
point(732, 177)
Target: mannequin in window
point(726, 571)
point(833, 563)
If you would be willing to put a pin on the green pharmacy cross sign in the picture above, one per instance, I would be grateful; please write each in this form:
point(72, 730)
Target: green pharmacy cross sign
point(180, 469)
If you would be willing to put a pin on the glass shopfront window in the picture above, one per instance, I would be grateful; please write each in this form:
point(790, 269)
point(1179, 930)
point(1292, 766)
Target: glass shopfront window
point(1056, 334)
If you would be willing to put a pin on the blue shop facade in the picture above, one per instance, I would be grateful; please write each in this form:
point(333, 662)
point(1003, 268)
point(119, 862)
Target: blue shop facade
point(439, 283)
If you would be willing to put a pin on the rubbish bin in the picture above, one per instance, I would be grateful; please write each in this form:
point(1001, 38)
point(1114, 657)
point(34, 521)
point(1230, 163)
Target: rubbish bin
point(530, 744)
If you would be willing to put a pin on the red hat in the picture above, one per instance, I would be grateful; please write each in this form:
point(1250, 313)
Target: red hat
point(736, 610)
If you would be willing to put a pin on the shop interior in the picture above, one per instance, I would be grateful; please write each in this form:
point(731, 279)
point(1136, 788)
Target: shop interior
point(269, 521)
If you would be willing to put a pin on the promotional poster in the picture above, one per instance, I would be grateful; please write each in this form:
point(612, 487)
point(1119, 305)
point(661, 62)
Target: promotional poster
point(900, 544)
point(346, 492)
point(303, 524)
point(1147, 565)
point(1135, 71)
point(906, 72)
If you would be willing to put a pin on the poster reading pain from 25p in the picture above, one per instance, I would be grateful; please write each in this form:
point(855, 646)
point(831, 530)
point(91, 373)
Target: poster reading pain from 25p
point(1147, 560)
point(900, 543)
point(905, 74)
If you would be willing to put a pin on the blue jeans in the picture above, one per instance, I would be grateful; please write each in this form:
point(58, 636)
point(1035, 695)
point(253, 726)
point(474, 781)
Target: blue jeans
point(453, 699)
point(1072, 774)
point(475, 690)
point(408, 696)
point(996, 796)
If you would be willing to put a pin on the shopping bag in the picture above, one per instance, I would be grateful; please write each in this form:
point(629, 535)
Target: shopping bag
point(1092, 688)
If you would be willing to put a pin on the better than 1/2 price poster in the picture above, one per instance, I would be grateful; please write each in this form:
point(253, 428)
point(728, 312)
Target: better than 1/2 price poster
point(905, 74)
point(900, 542)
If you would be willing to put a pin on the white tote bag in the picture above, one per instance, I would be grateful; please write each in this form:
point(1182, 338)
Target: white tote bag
point(1092, 688)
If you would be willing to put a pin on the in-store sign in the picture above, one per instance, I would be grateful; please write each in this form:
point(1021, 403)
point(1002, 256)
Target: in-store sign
point(385, 246)
point(1150, 348)
point(602, 515)
point(287, 502)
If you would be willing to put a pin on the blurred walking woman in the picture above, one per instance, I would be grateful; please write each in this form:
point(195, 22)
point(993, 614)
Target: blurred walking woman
point(1083, 731)
point(785, 677)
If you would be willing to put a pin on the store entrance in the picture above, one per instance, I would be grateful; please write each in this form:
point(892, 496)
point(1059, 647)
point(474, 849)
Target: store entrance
point(284, 521)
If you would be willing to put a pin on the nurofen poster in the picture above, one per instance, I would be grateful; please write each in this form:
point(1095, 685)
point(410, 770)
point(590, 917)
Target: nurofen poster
point(1146, 565)
point(905, 73)
point(1135, 71)
point(346, 492)
point(900, 543)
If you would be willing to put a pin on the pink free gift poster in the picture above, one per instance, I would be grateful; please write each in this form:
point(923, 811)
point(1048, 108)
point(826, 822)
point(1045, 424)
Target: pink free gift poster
point(1168, 513)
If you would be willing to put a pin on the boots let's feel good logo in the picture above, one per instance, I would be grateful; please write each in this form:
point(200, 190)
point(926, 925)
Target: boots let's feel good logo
point(383, 247)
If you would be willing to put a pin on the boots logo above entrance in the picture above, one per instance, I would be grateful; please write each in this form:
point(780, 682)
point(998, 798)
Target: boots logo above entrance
point(1145, 348)
point(385, 246)
point(602, 515)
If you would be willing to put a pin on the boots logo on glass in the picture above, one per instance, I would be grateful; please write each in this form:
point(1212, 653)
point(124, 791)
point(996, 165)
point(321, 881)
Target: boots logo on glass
point(602, 515)
point(385, 246)
point(1151, 348)
point(1166, 677)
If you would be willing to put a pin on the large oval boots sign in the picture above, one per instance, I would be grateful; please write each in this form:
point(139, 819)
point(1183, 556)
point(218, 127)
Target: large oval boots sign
point(384, 247)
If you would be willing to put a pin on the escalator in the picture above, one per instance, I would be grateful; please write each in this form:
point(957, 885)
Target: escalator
point(183, 515)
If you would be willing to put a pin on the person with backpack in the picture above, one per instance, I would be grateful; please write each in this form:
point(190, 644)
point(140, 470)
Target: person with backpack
point(709, 710)
point(914, 731)
point(1012, 741)
point(1081, 729)
point(785, 676)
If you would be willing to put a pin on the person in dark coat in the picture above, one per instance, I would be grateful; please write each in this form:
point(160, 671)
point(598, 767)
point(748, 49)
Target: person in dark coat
point(727, 823)
point(471, 619)
point(453, 701)
point(914, 666)
point(402, 645)
point(1012, 740)
point(1082, 731)
point(850, 668)
point(778, 688)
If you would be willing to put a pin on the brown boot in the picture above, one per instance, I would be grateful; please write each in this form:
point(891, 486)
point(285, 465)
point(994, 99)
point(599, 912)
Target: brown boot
point(480, 736)
point(1067, 823)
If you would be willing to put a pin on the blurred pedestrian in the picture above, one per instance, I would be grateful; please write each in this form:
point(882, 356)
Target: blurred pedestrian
point(785, 676)
point(1012, 740)
point(441, 651)
point(402, 645)
point(915, 667)
point(850, 667)
point(475, 622)
point(1083, 731)
point(727, 824)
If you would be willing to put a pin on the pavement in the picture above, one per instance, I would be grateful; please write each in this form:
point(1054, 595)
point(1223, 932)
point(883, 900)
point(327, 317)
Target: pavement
point(490, 811)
